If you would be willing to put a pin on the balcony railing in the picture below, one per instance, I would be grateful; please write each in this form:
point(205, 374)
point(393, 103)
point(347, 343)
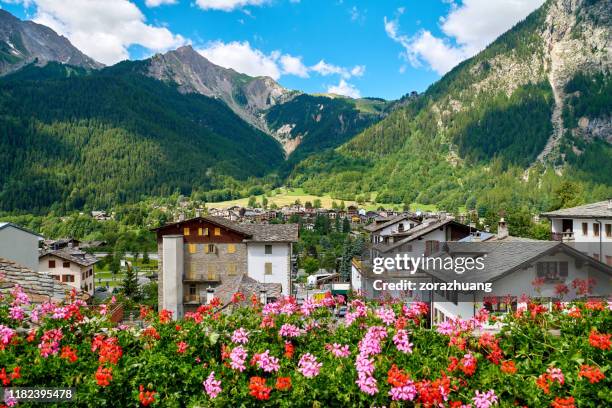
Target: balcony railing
point(562, 236)
point(192, 298)
point(202, 277)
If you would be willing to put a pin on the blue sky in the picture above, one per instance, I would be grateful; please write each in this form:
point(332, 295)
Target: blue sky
point(382, 48)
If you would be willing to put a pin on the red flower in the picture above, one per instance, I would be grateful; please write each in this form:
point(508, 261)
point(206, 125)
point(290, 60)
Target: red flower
point(289, 349)
point(165, 316)
point(238, 297)
point(16, 373)
point(397, 377)
point(258, 388)
point(592, 373)
point(69, 354)
point(146, 398)
point(104, 376)
point(508, 367)
point(151, 332)
point(599, 340)
point(595, 305)
point(543, 382)
point(563, 402)
point(5, 379)
point(181, 347)
point(283, 383)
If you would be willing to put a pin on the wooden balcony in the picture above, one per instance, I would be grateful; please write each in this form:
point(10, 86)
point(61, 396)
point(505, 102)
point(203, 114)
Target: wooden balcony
point(192, 299)
point(202, 277)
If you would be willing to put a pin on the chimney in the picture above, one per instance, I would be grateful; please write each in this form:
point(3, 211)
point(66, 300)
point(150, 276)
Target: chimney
point(181, 217)
point(476, 237)
point(263, 297)
point(210, 294)
point(502, 229)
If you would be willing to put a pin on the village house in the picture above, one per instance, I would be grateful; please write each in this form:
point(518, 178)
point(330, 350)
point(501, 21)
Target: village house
point(19, 245)
point(71, 266)
point(587, 227)
point(210, 256)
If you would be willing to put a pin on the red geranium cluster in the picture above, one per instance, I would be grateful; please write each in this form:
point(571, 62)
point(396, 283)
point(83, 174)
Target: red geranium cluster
point(109, 349)
point(491, 344)
point(592, 373)
point(104, 376)
point(433, 393)
point(259, 389)
point(69, 354)
point(7, 378)
point(599, 340)
point(146, 398)
point(283, 383)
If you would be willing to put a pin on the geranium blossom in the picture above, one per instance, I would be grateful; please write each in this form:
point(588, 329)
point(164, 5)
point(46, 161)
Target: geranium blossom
point(308, 366)
point(401, 341)
point(240, 336)
point(289, 330)
point(338, 350)
point(238, 356)
point(484, 399)
point(212, 386)
point(267, 362)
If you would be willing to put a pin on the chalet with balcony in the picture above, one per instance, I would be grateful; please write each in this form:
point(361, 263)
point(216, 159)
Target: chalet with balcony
point(209, 256)
point(70, 266)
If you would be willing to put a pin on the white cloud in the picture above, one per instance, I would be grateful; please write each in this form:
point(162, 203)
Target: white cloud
point(293, 66)
point(104, 29)
point(325, 69)
point(345, 89)
point(227, 5)
point(241, 57)
point(157, 3)
point(469, 28)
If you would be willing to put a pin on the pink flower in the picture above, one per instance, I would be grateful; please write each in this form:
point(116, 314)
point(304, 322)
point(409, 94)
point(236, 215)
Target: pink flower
point(6, 335)
point(19, 296)
point(445, 328)
point(406, 392)
point(386, 315)
point(240, 336)
point(103, 309)
point(339, 350)
point(556, 375)
point(212, 386)
point(289, 330)
point(238, 356)
point(401, 341)
point(308, 366)
point(367, 384)
point(267, 362)
point(484, 399)
point(16, 313)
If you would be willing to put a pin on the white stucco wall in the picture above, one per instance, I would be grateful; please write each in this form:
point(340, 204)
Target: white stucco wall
point(280, 259)
point(73, 269)
point(19, 246)
point(172, 275)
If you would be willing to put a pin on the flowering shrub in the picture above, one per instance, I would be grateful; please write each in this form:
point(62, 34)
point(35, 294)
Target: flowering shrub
point(290, 355)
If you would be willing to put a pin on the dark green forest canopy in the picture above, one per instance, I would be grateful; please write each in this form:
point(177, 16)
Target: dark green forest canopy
point(114, 136)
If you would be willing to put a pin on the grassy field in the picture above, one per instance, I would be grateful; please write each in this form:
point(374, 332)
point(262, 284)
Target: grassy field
point(285, 196)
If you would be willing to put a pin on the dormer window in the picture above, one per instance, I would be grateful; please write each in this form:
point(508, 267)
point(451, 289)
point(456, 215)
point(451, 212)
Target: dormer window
point(400, 227)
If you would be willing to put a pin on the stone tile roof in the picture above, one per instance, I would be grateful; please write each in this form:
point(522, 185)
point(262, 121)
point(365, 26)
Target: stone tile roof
point(73, 255)
point(416, 232)
point(246, 285)
point(503, 258)
point(39, 286)
point(378, 226)
point(594, 210)
point(272, 232)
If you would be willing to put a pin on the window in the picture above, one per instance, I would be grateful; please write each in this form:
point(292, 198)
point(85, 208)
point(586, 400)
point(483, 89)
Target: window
point(56, 277)
point(192, 248)
point(552, 272)
point(268, 249)
point(209, 248)
point(51, 264)
point(192, 290)
point(212, 273)
point(200, 231)
point(217, 232)
point(400, 228)
point(66, 264)
point(268, 268)
point(596, 229)
point(186, 231)
point(205, 232)
point(231, 269)
point(231, 248)
point(585, 228)
point(67, 278)
point(609, 230)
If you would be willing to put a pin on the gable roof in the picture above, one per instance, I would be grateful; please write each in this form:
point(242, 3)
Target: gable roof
point(39, 286)
point(73, 255)
point(252, 232)
point(593, 210)
point(19, 227)
point(417, 232)
point(503, 258)
point(373, 227)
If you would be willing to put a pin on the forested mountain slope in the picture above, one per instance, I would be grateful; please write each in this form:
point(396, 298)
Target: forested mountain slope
point(71, 139)
point(500, 128)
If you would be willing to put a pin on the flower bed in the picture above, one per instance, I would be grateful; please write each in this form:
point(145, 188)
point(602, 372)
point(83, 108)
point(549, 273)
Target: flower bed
point(301, 356)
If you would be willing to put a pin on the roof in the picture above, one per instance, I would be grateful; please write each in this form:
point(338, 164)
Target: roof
point(272, 232)
point(594, 210)
point(10, 224)
point(393, 220)
point(247, 286)
point(39, 286)
point(502, 258)
point(253, 232)
point(73, 255)
point(416, 232)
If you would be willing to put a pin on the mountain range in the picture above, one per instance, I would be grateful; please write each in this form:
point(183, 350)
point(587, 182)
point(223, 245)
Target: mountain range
point(508, 125)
